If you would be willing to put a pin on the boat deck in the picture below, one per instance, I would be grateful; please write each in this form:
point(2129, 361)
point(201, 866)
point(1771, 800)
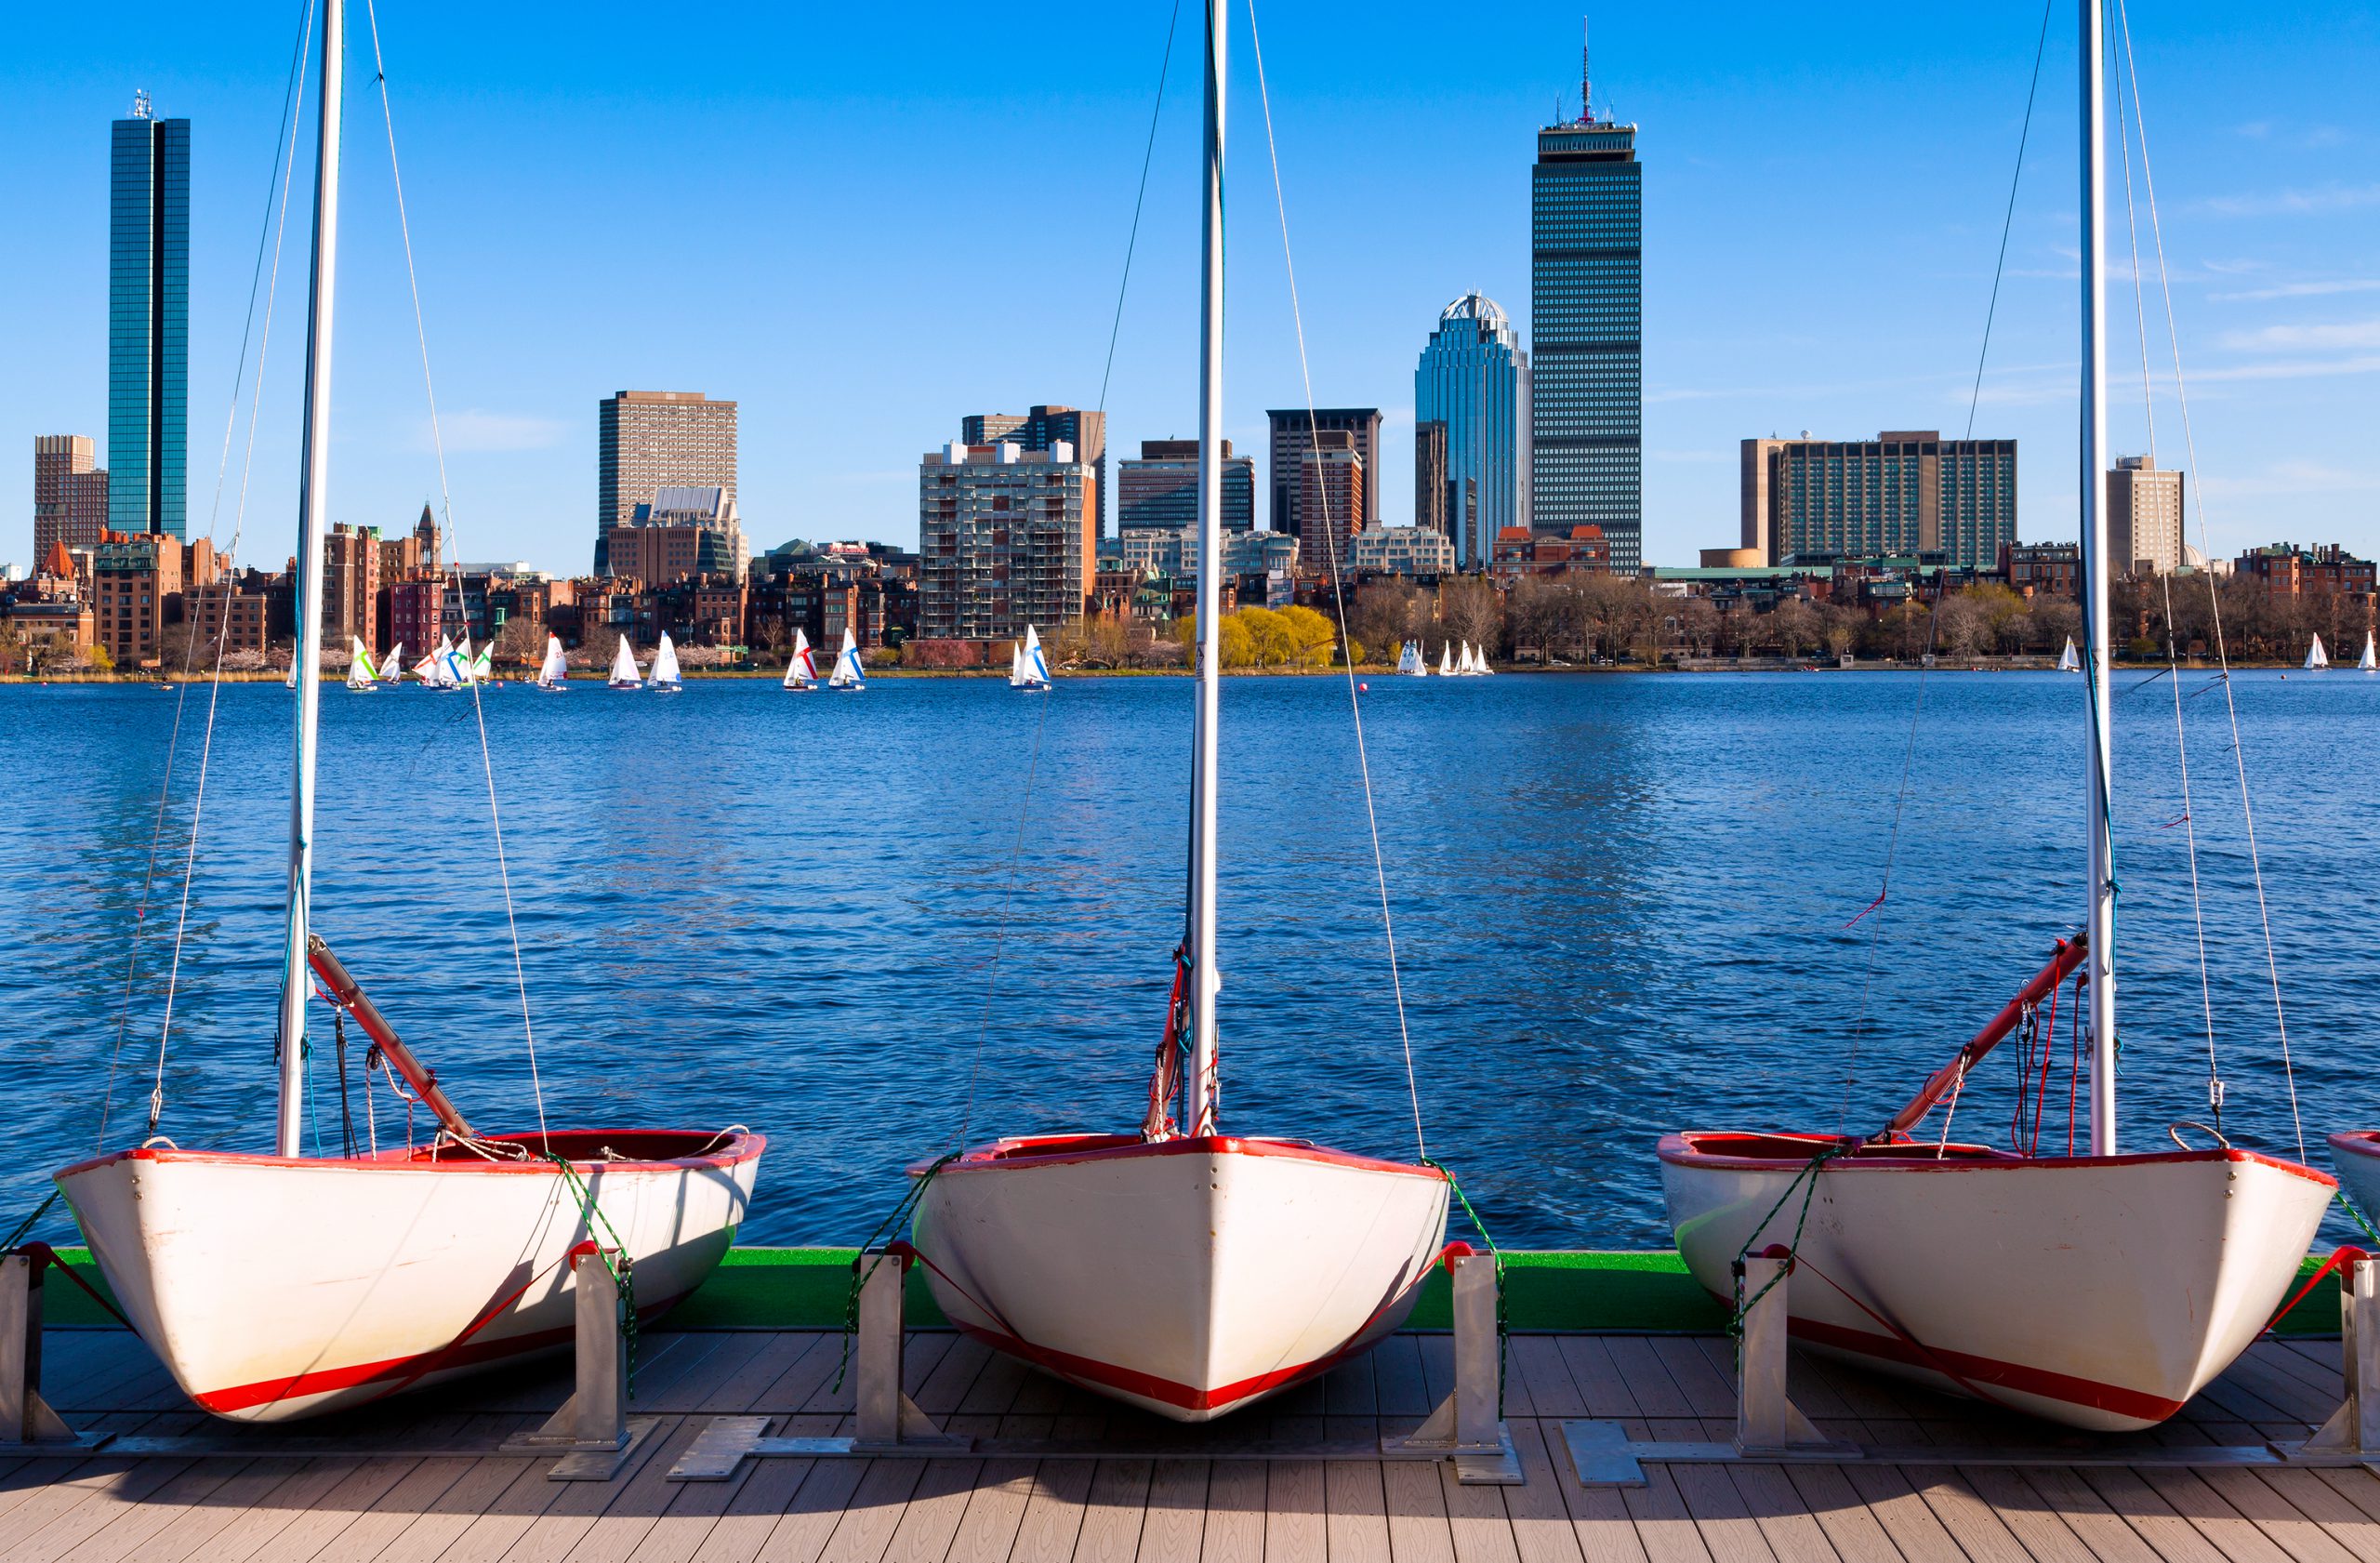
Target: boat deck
point(972, 1510)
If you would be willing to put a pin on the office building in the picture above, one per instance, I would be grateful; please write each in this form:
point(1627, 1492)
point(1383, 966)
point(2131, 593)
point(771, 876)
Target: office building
point(1293, 432)
point(1471, 393)
point(703, 535)
point(1586, 316)
point(1245, 553)
point(70, 494)
point(2144, 516)
point(649, 439)
point(1333, 489)
point(148, 321)
point(1160, 489)
point(1042, 428)
point(1430, 496)
point(1905, 493)
point(1006, 538)
point(1400, 551)
point(351, 586)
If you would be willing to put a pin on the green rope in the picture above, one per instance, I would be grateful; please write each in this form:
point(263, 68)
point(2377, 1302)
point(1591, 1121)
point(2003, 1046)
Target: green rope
point(1745, 1304)
point(891, 1224)
point(42, 1209)
point(623, 1277)
point(2348, 1205)
point(1495, 1254)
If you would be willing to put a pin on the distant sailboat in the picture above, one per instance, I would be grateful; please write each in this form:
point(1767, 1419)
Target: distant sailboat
point(665, 679)
point(455, 665)
point(848, 673)
point(2316, 657)
point(1026, 669)
point(2370, 657)
point(2068, 662)
point(360, 673)
point(555, 672)
point(1409, 663)
point(483, 667)
point(801, 673)
point(624, 672)
point(427, 669)
point(1446, 660)
point(393, 667)
point(292, 679)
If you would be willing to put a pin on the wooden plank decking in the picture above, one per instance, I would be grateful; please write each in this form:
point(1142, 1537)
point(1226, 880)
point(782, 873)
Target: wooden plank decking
point(453, 1509)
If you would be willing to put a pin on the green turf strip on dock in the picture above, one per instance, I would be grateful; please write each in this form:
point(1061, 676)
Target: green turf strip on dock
point(807, 1288)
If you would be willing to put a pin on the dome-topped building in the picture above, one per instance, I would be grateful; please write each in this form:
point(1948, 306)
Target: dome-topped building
point(1471, 447)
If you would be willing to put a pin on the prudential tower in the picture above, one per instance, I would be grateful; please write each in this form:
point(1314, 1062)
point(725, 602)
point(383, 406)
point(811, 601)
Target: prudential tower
point(1586, 315)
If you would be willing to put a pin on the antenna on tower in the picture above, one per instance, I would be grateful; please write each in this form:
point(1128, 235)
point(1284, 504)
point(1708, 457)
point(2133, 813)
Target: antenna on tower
point(140, 102)
point(1586, 74)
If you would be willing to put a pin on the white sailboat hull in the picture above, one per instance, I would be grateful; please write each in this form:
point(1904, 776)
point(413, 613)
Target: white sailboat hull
point(1190, 1277)
point(2098, 1292)
point(274, 1289)
point(2355, 1155)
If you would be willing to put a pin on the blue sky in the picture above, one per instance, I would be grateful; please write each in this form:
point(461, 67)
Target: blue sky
point(861, 222)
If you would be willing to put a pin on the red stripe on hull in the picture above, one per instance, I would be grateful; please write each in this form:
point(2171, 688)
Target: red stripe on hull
point(397, 1372)
point(1093, 1373)
point(2065, 1388)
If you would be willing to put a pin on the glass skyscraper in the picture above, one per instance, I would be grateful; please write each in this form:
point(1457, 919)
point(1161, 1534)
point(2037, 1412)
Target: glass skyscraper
point(1586, 314)
point(148, 322)
point(1472, 382)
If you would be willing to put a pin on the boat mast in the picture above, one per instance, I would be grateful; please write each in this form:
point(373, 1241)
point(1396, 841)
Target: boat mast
point(312, 508)
point(2095, 624)
point(1200, 1098)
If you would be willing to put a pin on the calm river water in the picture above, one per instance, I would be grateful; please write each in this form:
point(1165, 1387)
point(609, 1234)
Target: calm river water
point(1620, 905)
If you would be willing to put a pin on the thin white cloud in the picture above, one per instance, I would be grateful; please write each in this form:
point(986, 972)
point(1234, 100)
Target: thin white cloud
point(2291, 369)
point(2319, 289)
point(2294, 203)
point(2337, 335)
point(479, 430)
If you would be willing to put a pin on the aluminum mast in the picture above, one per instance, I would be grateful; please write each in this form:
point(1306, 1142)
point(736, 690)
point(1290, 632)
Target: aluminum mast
point(2101, 925)
point(1199, 1100)
point(313, 505)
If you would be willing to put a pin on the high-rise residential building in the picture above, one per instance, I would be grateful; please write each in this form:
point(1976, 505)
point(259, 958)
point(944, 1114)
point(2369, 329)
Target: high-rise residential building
point(1293, 435)
point(1333, 489)
point(351, 586)
point(649, 439)
point(2144, 516)
point(1006, 537)
point(137, 583)
point(148, 321)
point(1586, 317)
point(1400, 551)
point(1041, 429)
point(1906, 492)
point(1160, 489)
point(70, 494)
point(1472, 383)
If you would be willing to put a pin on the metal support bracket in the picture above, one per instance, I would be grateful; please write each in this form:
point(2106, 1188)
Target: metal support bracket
point(592, 1432)
point(889, 1421)
point(2353, 1431)
point(1468, 1426)
point(28, 1425)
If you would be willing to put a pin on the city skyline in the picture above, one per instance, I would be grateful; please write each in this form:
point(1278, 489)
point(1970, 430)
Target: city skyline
point(2265, 209)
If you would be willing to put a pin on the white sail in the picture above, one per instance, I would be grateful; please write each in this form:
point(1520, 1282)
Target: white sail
point(1026, 668)
point(2370, 657)
point(2068, 662)
point(2316, 657)
point(556, 668)
point(393, 667)
point(456, 669)
point(802, 671)
point(484, 665)
point(848, 673)
point(1465, 663)
point(624, 670)
point(427, 670)
point(291, 680)
point(360, 673)
point(1446, 660)
point(665, 664)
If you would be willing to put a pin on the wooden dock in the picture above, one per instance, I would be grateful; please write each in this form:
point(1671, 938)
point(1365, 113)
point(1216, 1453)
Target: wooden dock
point(453, 1508)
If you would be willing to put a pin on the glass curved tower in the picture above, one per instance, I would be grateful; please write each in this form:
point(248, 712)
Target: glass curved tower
point(1471, 410)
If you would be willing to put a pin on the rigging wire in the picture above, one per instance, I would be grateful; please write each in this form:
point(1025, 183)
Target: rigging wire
point(276, 224)
point(1339, 594)
point(453, 553)
point(2172, 652)
point(1934, 620)
point(2214, 602)
point(1033, 761)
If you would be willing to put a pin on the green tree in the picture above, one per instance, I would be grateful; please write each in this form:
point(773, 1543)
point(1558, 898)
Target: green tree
point(1239, 646)
point(1268, 635)
point(99, 659)
point(1311, 634)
